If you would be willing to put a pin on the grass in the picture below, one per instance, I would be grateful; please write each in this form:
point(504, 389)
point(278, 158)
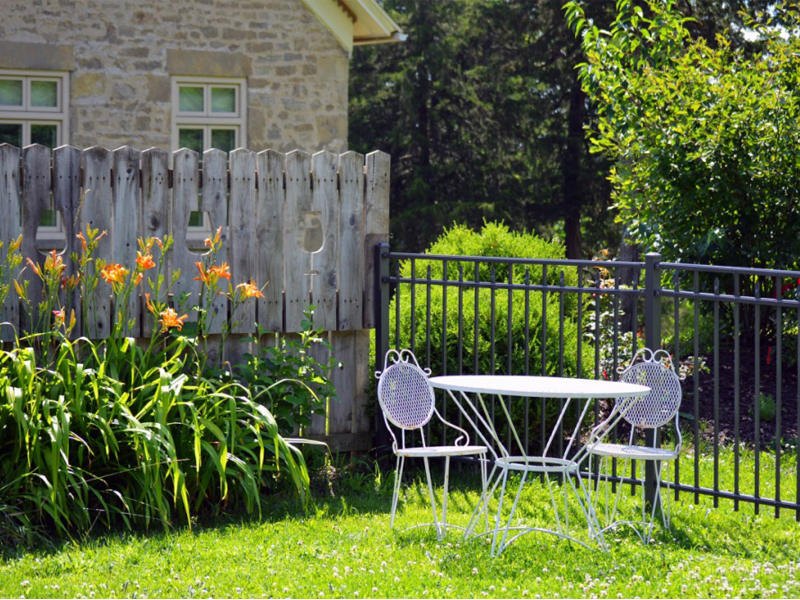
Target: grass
point(343, 547)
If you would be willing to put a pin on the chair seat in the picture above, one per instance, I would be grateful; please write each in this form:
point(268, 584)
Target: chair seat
point(632, 452)
point(432, 451)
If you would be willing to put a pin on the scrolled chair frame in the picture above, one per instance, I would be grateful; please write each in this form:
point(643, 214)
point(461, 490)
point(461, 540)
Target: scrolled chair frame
point(408, 403)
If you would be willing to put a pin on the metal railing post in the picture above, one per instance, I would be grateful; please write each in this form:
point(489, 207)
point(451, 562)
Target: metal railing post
point(652, 339)
point(382, 293)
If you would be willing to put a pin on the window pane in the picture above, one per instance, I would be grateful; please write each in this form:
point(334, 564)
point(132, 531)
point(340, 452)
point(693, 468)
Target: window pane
point(11, 133)
point(44, 93)
point(224, 139)
point(191, 139)
point(190, 99)
point(10, 92)
point(48, 218)
point(223, 100)
point(46, 135)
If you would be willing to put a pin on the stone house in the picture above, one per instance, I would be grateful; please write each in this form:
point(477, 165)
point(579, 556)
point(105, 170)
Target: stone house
point(189, 73)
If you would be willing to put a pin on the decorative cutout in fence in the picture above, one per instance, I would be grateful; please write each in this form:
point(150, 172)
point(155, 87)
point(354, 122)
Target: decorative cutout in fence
point(303, 223)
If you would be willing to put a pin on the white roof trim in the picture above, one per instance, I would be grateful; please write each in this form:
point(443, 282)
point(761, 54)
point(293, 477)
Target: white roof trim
point(356, 22)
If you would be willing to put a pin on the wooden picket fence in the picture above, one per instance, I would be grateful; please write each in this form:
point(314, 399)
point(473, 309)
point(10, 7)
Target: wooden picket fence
point(303, 224)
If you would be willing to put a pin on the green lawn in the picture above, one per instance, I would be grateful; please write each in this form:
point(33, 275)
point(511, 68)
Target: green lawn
point(342, 547)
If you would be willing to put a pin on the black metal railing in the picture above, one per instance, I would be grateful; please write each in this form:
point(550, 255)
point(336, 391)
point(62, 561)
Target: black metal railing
point(733, 332)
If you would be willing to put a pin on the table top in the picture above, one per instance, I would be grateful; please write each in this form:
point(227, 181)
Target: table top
point(538, 387)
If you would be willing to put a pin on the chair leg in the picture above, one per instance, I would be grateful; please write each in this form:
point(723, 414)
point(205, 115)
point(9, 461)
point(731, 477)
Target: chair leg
point(398, 479)
point(444, 497)
point(433, 498)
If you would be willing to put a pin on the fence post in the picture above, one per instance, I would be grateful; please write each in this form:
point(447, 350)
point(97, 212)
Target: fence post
point(382, 439)
point(652, 339)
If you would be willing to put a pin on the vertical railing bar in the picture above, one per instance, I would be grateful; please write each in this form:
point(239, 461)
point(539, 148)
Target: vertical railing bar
point(736, 390)
point(561, 359)
point(444, 317)
point(597, 342)
point(527, 400)
point(445, 277)
point(476, 332)
point(414, 307)
point(797, 412)
point(615, 352)
point(397, 306)
point(579, 365)
point(778, 394)
point(460, 329)
point(509, 342)
point(676, 359)
point(696, 382)
point(716, 390)
point(543, 412)
point(757, 392)
point(428, 317)
point(428, 334)
point(492, 332)
point(460, 319)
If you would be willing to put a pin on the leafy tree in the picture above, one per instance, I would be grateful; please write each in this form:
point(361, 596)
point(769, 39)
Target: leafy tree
point(483, 114)
point(706, 140)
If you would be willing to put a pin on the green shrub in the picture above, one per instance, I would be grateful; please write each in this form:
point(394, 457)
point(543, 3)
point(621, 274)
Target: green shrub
point(287, 378)
point(492, 348)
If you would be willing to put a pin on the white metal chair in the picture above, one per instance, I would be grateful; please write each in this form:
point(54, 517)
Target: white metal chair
point(408, 402)
point(660, 406)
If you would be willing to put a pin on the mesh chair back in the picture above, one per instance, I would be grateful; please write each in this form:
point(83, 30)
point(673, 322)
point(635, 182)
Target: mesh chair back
point(405, 395)
point(661, 404)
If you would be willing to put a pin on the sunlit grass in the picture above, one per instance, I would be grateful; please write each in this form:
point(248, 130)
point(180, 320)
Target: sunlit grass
point(343, 547)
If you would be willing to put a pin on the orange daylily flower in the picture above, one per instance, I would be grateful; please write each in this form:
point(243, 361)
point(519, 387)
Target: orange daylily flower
point(149, 304)
point(144, 261)
point(14, 246)
point(81, 237)
point(114, 273)
point(203, 275)
point(213, 274)
point(220, 271)
point(212, 243)
point(34, 266)
point(249, 290)
point(169, 318)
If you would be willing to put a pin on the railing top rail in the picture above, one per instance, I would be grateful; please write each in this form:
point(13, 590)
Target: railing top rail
point(507, 260)
point(729, 270)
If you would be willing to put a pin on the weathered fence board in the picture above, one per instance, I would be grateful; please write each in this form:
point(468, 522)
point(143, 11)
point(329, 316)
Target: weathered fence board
point(376, 224)
point(185, 187)
point(242, 234)
point(351, 240)
point(270, 239)
point(97, 214)
point(325, 260)
point(156, 212)
point(300, 226)
point(9, 231)
point(213, 202)
point(126, 211)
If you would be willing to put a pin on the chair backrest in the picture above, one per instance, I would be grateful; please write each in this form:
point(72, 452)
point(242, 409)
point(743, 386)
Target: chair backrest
point(405, 396)
point(656, 371)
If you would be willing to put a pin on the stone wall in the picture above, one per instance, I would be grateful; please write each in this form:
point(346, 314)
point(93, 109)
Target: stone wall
point(122, 54)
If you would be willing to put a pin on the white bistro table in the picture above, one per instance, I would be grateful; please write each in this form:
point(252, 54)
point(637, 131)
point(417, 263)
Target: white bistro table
point(468, 391)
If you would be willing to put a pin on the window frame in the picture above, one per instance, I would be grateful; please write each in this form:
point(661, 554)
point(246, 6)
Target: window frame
point(206, 120)
point(26, 115)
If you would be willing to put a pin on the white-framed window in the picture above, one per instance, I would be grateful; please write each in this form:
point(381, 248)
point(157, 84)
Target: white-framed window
point(208, 113)
point(34, 109)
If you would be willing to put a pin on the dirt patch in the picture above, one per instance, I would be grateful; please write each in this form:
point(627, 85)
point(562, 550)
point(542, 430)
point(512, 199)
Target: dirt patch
point(748, 393)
